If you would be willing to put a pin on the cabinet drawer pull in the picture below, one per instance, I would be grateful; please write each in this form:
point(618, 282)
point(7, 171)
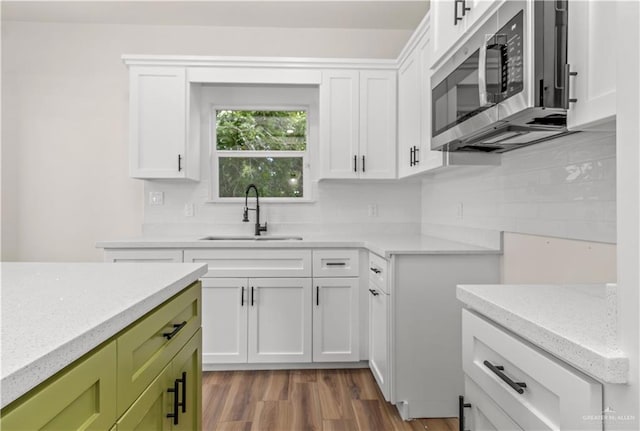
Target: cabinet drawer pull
point(461, 406)
point(317, 295)
point(335, 263)
point(376, 270)
point(373, 292)
point(174, 391)
point(183, 403)
point(497, 370)
point(252, 296)
point(176, 328)
point(242, 298)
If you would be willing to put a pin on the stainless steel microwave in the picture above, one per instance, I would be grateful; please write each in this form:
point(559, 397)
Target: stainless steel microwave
point(506, 87)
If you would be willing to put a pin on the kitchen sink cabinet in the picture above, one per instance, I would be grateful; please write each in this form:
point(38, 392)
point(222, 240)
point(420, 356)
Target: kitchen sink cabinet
point(125, 381)
point(358, 124)
point(164, 139)
point(592, 56)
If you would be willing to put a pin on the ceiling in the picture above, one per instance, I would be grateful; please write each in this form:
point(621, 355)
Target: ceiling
point(358, 14)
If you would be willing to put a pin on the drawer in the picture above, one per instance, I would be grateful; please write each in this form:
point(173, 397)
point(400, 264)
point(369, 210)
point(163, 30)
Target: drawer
point(556, 395)
point(142, 255)
point(335, 263)
point(378, 269)
point(148, 346)
point(252, 263)
point(483, 413)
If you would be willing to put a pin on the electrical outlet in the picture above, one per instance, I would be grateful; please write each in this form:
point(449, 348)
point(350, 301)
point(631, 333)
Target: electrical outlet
point(156, 198)
point(188, 210)
point(460, 211)
point(372, 210)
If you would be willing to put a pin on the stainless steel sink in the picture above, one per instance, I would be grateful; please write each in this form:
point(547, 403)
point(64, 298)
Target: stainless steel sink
point(251, 238)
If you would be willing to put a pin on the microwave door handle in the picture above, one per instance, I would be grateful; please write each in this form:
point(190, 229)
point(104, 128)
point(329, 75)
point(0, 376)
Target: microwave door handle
point(482, 75)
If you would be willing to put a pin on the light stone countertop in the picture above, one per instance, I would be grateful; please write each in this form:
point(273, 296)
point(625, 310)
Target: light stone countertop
point(575, 323)
point(54, 313)
point(381, 244)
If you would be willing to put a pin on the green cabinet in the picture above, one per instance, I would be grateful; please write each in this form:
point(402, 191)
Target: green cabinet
point(148, 371)
point(82, 397)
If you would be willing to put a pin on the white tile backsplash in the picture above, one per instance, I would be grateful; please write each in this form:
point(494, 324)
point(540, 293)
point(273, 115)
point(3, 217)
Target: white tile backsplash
point(564, 188)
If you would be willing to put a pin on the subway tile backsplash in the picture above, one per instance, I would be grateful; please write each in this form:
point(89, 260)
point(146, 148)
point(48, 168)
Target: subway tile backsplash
point(564, 188)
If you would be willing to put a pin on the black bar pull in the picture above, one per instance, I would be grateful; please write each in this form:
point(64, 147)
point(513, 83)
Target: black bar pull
point(174, 391)
point(375, 270)
point(317, 295)
point(179, 163)
point(363, 165)
point(497, 370)
point(416, 151)
point(355, 163)
point(411, 156)
point(335, 264)
point(176, 328)
point(373, 292)
point(242, 297)
point(183, 403)
point(252, 296)
point(456, 18)
point(465, 9)
point(461, 406)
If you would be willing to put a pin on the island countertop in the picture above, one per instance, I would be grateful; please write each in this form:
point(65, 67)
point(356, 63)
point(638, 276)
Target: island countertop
point(54, 313)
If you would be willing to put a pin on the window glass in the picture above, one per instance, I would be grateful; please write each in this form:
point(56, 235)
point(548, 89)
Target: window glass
point(274, 176)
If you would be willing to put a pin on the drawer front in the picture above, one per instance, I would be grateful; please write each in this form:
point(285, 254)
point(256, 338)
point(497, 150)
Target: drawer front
point(147, 347)
point(335, 263)
point(378, 271)
point(146, 255)
point(483, 413)
point(80, 398)
point(556, 396)
point(252, 263)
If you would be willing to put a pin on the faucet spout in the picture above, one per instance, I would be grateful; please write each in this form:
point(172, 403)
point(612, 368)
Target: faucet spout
point(245, 216)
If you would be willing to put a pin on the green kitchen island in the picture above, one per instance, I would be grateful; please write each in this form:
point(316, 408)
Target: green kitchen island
point(100, 346)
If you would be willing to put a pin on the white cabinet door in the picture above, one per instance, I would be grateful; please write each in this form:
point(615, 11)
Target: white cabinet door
point(379, 338)
point(358, 124)
point(158, 100)
point(339, 122)
point(224, 320)
point(409, 114)
point(377, 124)
point(335, 320)
point(142, 255)
point(279, 320)
point(484, 414)
point(592, 55)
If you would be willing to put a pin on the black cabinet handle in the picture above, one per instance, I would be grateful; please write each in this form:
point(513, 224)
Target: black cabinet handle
point(456, 18)
point(179, 163)
point(176, 328)
point(497, 370)
point(411, 150)
point(355, 163)
point(183, 403)
point(567, 74)
point(363, 165)
point(373, 292)
point(376, 270)
point(461, 406)
point(317, 295)
point(242, 297)
point(465, 9)
point(416, 151)
point(335, 263)
point(174, 391)
point(252, 296)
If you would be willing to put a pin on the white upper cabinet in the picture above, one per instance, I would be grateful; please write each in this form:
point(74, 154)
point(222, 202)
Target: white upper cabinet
point(592, 55)
point(358, 124)
point(451, 19)
point(159, 139)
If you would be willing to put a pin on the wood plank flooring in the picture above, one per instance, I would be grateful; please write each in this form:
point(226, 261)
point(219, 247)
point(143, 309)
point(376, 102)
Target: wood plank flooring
point(303, 400)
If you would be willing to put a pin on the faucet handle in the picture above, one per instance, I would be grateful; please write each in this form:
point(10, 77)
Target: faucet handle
point(245, 215)
point(263, 228)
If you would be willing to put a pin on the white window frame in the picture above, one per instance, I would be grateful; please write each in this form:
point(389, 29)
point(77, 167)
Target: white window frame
point(215, 154)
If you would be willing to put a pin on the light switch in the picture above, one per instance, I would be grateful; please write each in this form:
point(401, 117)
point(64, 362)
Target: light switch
point(188, 210)
point(156, 198)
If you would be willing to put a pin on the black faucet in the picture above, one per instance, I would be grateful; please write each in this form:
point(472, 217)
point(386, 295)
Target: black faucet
point(245, 215)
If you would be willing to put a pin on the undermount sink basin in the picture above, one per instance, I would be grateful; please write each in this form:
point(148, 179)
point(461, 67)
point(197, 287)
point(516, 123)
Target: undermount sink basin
point(251, 238)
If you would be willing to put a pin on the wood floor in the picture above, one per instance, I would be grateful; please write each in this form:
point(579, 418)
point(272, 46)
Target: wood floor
point(301, 400)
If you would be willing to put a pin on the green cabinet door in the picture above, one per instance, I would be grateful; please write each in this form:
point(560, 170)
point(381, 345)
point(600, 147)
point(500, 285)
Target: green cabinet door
point(82, 397)
point(149, 412)
point(187, 368)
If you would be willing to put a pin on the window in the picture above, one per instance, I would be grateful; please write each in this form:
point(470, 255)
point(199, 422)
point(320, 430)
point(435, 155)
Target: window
point(266, 147)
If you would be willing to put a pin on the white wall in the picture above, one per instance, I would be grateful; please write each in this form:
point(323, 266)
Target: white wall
point(564, 188)
point(65, 181)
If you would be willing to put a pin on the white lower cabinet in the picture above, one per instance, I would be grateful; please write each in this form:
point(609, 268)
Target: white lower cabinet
point(335, 320)
point(379, 339)
point(256, 320)
point(534, 390)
